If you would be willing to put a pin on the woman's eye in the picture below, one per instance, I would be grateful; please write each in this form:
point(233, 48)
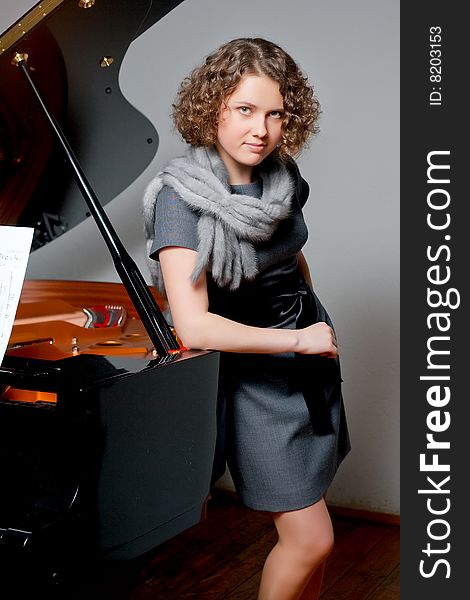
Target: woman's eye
point(245, 110)
point(276, 114)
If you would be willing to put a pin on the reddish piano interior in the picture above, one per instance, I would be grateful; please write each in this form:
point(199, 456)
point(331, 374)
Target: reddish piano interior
point(50, 325)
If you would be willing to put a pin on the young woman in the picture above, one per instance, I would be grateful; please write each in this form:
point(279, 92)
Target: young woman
point(224, 223)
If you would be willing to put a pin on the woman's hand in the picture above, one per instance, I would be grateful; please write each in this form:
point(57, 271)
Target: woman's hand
point(318, 338)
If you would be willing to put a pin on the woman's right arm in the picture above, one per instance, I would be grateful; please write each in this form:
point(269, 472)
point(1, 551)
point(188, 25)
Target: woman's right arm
point(201, 329)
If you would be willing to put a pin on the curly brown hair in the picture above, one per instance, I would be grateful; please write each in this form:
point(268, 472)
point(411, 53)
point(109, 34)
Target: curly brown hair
point(200, 97)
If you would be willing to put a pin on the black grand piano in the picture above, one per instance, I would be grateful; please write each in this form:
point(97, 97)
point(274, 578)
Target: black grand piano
point(107, 426)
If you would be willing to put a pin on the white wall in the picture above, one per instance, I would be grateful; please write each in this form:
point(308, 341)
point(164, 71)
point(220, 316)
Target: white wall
point(350, 50)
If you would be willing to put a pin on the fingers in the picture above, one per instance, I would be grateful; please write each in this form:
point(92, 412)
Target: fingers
point(332, 354)
point(334, 351)
point(332, 334)
point(330, 344)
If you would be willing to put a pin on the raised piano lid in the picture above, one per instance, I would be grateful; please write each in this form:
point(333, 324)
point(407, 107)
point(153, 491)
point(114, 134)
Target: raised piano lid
point(74, 51)
point(76, 54)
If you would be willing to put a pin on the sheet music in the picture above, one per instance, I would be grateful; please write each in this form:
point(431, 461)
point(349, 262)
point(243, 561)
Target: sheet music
point(15, 244)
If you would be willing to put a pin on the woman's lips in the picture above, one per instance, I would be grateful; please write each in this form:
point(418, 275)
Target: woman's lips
point(255, 147)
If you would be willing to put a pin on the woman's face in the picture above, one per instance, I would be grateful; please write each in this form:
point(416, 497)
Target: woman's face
point(250, 124)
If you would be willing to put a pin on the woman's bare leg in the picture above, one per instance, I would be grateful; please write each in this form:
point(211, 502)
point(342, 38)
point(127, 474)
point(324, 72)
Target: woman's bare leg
point(305, 540)
point(313, 588)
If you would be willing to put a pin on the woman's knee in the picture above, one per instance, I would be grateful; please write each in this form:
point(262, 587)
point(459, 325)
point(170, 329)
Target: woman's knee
point(325, 544)
point(317, 546)
point(310, 548)
point(309, 534)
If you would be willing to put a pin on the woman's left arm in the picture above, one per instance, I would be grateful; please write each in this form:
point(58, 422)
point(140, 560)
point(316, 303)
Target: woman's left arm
point(303, 267)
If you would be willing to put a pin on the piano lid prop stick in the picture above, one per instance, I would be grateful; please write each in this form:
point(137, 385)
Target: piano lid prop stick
point(154, 322)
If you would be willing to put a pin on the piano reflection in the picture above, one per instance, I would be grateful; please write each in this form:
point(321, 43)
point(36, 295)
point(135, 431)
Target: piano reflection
point(107, 426)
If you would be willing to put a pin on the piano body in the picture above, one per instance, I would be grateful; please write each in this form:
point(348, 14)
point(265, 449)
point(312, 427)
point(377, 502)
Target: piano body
point(106, 441)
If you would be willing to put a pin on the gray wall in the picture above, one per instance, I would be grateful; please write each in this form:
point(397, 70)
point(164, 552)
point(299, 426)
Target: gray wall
point(350, 50)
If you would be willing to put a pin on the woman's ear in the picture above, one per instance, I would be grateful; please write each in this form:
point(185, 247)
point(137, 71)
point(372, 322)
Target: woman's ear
point(224, 112)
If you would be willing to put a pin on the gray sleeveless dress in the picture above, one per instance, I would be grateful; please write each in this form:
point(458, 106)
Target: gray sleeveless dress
point(282, 426)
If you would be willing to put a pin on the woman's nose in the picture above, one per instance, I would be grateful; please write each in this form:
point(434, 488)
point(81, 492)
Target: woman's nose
point(259, 127)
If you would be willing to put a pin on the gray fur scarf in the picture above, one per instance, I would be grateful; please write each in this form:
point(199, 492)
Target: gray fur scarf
point(229, 224)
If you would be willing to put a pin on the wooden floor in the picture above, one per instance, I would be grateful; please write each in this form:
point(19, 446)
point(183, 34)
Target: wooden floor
point(222, 557)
